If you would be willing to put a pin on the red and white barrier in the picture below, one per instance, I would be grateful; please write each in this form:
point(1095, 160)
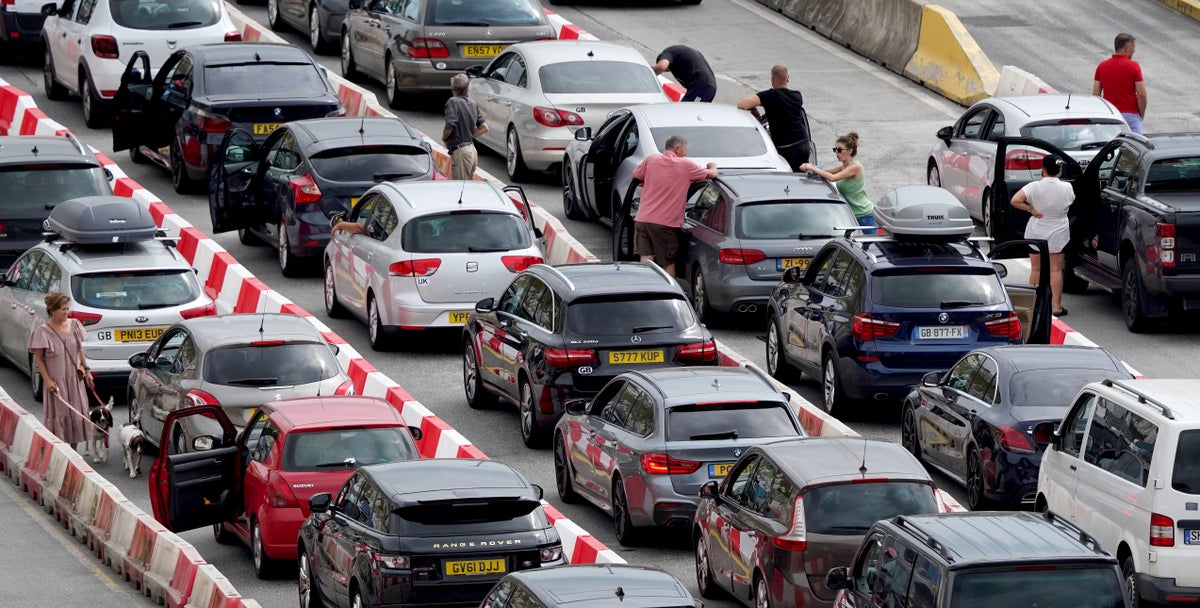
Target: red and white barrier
point(1015, 81)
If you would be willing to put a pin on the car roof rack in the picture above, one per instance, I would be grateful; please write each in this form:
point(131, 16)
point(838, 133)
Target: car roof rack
point(1062, 522)
point(1141, 397)
point(660, 271)
point(78, 144)
point(562, 276)
point(1138, 137)
point(924, 537)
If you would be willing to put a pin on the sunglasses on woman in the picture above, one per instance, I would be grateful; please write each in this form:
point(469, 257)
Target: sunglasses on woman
point(839, 150)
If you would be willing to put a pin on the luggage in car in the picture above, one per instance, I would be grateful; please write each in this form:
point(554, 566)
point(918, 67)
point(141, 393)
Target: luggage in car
point(923, 212)
point(101, 220)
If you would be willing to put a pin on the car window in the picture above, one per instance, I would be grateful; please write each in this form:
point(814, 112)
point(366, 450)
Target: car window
point(498, 70)
point(168, 348)
point(616, 411)
point(332, 449)
point(714, 141)
point(717, 216)
point(866, 570)
point(820, 270)
point(1075, 134)
point(983, 384)
point(629, 139)
point(611, 127)
point(930, 287)
point(758, 493)
point(347, 499)
point(188, 358)
point(365, 208)
point(385, 216)
point(997, 130)
point(701, 200)
point(411, 10)
point(729, 420)
point(522, 598)
point(43, 186)
point(86, 8)
point(738, 481)
point(266, 443)
point(972, 124)
point(49, 275)
point(381, 507)
point(270, 364)
point(516, 72)
point(1122, 171)
point(960, 375)
point(363, 163)
point(1056, 386)
point(380, 6)
point(179, 77)
point(592, 77)
point(1076, 424)
point(926, 584)
point(544, 308)
point(530, 300)
point(22, 272)
point(890, 587)
point(1016, 586)
point(641, 419)
point(135, 290)
point(646, 315)
point(1186, 475)
point(255, 445)
point(1121, 442)
point(510, 300)
point(791, 219)
point(851, 508)
point(37, 273)
point(282, 155)
point(605, 397)
point(499, 594)
point(1174, 175)
point(493, 13)
point(464, 232)
point(454, 518)
point(165, 14)
point(365, 501)
point(835, 282)
point(281, 79)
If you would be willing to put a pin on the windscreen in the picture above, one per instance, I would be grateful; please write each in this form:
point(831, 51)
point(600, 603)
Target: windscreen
point(629, 316)
point(851, 508)
point(729, 421)
point(346, 448)
point(364, 163)
point(938, 288)
point(1186, 477)
point(597, 77)
point(135, 290)
point(1174, 175)
point(464, 232)
point(1063, 586)
point(274, 79)
point(1054, 386)
point(456, 518)
point(41, 187)
point(1071, 136)
point(791, 220)
point(281, 364)
point(482, 13)
point(165, 14)
point(714, 141)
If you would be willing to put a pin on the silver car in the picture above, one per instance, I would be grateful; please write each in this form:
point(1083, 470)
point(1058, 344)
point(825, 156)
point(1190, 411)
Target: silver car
point(963, 157)
point(641, 449)
point(536, 94)
point(424, 253)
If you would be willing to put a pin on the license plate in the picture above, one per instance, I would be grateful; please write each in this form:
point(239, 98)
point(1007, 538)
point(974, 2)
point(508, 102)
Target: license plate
point(1191, 537)
point(474, 567)
point(720, 469)
point(946, 332)
point(458, 318)
point(785, 263)
point(482, 50)
point(265, 128)
point(140, 334)
point(618, 357)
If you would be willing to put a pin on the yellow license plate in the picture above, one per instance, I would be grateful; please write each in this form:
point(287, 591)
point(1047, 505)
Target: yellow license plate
point(458, 318)
point(785, 263)
point(720, 469)
point(482, 50)
point(265, 128)
point(474, 567)
point(141, 334)
point(619, 357)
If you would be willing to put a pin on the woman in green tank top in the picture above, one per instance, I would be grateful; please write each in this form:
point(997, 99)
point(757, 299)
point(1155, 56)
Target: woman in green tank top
point(849, 179)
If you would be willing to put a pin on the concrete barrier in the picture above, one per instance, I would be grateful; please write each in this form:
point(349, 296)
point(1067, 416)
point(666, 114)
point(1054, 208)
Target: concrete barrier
point(949, 61)
point(1189, 8)
point(1014, 81)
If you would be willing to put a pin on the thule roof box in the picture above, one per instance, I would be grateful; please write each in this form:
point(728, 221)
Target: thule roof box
point(923, 213)
point(101, 220)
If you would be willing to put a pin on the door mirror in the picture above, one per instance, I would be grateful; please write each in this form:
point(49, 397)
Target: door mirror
point(1001, 269)
point(50, 10)
point(375, 229)
point(485, 305)
point(583, 133)
point(337, 218)
point(838, 578)
point(319, 503)
point(1044, 432)
point(416, 432)
point(138, 361)
point(355, 4)
point(203, 443)
point(793, 274)
point(944, 134)
point(931, 379)
point(576, 407)
point(236, 154)
point(708, 490)
point(475, 71)
point(538, 491)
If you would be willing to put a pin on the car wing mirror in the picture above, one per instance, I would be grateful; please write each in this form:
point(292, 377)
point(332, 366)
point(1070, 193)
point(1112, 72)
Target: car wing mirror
point(838, 578)
point(945, 134)
point(709, 490)
point(475, 71)
point(203, 443)
point(416, 432)
point(1001, 269)
point(583, 133)
point(50, 9)
point(537, 490)
point(485, 305)
point(355, 4)
point(793, 274)
point(576, 407)
point(319, 503)
point(236, 154)
point(337, 218)
point(931, 379)
point(138, 361)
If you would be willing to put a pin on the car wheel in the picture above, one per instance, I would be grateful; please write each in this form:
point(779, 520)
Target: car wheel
point(986, 211)
point(478, 396)
point(570, 203)
point(1131, 584)
point(562, 472)
point(704, 310)
point(53, 90)
point(704, 575)
point(1073, 283)
point(289, 264)
point(35, 380)
point(831, 386)
point(514, 162)
point(310, 597)
point(908, 431)
point(349, 70)
point(933, 177)
point(264, 566)
point(379, 334)
point(179, 176)
point(1131, 298)
point(221, 535)
point(333, 308)
point(762, 596)
point(320, 46)
point(94, 114)
point(622, 521)
point(390, 84)
point(975, 498)
point(273, 20)
point(136, 157)
point(531, 431)
point(135, 411)
point(248, 238)
point(179, 443)
point(777, 363)
point(356, 599)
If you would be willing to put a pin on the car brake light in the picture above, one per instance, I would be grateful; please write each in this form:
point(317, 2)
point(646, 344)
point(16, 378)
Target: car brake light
point(865, 327)
point(304, 190)
point(415, 268)
point(261, 343)
point(105, 47)
point(1162, 531)
point(861, 480)
point(1014, 440)
point(552, 117)
point(741, 257)
point(517, 263)
point(569, 357)
point(661, 464)
point(1007, 327)
point(1023, 160)
point(85, 318)
point(1164, 238)
point(279, 494)
point(197, 397)
point(426, 48)
point(345, 388)
point(207, 310)
point(213, 123)
point(393, 562)
point(233, 36)
point(701, 351)
point(796, 538)
point(552, 553)
point(1075, 121)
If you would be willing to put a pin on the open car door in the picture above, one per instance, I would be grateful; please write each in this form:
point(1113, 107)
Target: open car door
point(232, 180)
point(527, 212)
point(196, 488)
point(622, 233)
point(139, 119)
point(1031, 302)
point(1018, 162)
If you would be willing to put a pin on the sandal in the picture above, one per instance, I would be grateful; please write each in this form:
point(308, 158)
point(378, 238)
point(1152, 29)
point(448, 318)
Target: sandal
point(1061, 313)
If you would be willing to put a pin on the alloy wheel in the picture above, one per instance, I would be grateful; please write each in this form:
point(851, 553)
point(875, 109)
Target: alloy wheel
point(829, 384)
point(762, 598)
point(470, 372)
point(908, 432)
point(314, 29)
point(974, 480)
point(934, 177)
point(304, 581)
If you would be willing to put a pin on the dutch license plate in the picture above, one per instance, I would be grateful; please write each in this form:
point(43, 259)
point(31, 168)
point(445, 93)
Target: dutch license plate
point(785, 263)
point(947, 332)
point(1191, 537)
point(474, 567)
point(265, 128)
point(618, 357)
point(459, 317)
point(140, 334)
point(482, 50)
point(720, 469)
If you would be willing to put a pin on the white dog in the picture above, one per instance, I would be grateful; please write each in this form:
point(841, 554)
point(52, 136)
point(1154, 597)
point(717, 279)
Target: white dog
point(132, 440)
point(102, 421)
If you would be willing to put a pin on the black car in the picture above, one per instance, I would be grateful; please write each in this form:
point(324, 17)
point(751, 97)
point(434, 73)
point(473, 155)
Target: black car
point(178, 117)
point(423, 532)
point(590, 586)
point(284, 190)
point(987, 421)
point(560, 332)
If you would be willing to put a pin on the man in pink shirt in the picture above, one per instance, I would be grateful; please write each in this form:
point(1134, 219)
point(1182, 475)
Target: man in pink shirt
point(1119, 80)
point(665, 180)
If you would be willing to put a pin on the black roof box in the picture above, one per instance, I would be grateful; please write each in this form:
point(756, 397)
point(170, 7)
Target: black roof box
point(102, 220)
point(923, 213)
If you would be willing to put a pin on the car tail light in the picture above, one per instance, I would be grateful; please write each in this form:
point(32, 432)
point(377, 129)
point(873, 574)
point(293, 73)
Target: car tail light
point(1023, 160)
point(8, 2)
point(795, 539)
point(233, 36)
point(552, 117)
point(661, 464)
point(392, 562)
point(1007, 327)
point(1164, 238)
point(552, 553)
point(105, 47)
point(1014, 440)
point(263, 343)
point(741, 257)
point(865, 327)
point(213, 123)
point(1162, 531)
point(207, 310)
point(701, 351)
point(304, 190)
point(426, 48)
point(517, 263)
point(569, 357)
point(85, 318)
point(197, 397)
point(279, 493)
point(345, 388)
point(415, 268)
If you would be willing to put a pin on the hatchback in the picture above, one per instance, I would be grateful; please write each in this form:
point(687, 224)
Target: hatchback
point(590, 586)
point(321, 20)
point(253, 486)
point(641, 449)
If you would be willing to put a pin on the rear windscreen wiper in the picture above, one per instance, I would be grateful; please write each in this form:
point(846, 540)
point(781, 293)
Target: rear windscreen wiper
point(641, 328)
point(730, 434)
point(959, 303)
point(253, 382)
point(182, 24)
point(469, 23)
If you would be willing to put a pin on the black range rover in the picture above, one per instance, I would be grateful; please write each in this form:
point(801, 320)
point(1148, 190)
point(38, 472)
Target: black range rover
point(438, 531)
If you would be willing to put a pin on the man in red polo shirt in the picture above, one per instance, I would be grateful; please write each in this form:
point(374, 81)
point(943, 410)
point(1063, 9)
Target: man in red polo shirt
point(665, 180)
point(1119, 80)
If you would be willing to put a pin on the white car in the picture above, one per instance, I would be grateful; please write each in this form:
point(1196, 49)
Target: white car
point(536, 94)
point(87, 43)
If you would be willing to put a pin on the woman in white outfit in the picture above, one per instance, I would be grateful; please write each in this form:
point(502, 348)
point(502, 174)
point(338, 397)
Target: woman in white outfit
point(1047, 200)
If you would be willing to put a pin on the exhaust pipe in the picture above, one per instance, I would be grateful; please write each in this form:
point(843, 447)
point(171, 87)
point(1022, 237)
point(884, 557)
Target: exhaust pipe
point(747, 308)
point(881, 396)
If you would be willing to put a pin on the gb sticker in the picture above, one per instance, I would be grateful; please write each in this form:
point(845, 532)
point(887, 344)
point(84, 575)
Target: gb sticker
point(422, 280)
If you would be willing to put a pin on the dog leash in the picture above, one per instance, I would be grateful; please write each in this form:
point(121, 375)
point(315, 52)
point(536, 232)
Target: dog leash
point(72, 409)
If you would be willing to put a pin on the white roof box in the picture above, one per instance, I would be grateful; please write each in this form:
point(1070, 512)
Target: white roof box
point(923, 213)
point(101, 220)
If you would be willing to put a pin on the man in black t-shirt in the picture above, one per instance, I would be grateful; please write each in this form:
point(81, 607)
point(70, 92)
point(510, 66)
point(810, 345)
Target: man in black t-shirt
point(785, 114)
point(691, 69)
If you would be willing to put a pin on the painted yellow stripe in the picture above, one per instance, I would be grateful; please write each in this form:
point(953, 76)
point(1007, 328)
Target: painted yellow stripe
point(949, 61)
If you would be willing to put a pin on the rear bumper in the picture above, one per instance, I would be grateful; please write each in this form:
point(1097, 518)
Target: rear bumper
point(24, 28)
point(545, 147)
point(866, 380)
point(1165, 591)
point(280, 532)
point(728, 292)
point(1013, 477)
point(1181, 286)
point(653, 501)
point(417, 74)
point(407, 311)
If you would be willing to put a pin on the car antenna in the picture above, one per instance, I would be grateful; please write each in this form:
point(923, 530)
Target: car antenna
point(461, 191)
point(862, 469)
point(362, 126)
point(261, 322)
point(1068, 101)
point(620, 594)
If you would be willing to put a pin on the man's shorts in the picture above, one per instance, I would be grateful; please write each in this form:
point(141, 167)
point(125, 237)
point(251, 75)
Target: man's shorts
point(661, 242)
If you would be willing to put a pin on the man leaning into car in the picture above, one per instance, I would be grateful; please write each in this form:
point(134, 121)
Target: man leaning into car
point(665, 179)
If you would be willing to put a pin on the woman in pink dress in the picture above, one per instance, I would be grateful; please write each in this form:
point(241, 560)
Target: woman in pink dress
point(57, 347)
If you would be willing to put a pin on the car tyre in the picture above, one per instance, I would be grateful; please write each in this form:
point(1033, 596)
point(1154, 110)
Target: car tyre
point(135, 411)
point(570, 203)
point(562, 472)
point(700, 303)
point(136, 157)
point(95, 110)
point(390, 84)
point(933, 176)
point(532, 434)
point(349, 70)
point(974, 481)
point(273, 19)
point(1131, 299)
point(704, 574)
point(762, 595)
point(310, 596)
point(1131, 585)
point(248, 238)
point(221, 535)
point(53, 89)
point(478, 396)
point(514, 161)
point(333, 308)
point(986, 210)
point(264, 566)
point(179, 175)
point(908, 431)
point(35, 380)
point(777, 363)
point(381, 336)
point(317, 39)
point(831, 386)
point(289, 263)
point(356, 599)
point(622, 521)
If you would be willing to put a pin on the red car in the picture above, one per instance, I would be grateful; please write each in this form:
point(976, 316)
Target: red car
point(254, 485)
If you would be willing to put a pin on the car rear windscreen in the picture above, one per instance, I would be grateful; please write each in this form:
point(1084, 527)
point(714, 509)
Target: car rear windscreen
point(1056, 387)
point(135, 290)
point(938, 288)
point(629, 316)
point(468, 516)
point(277, 364)
point(1057, 585)
point(1073, 135)
point(714, 141)
point(346, 448)
point(164, 14)
point(256, 79)
point(703, 421)
point(1174, 175)
point(597, 77)
point(464, 232)
point(851, 508)
point(791, 220)
point(482, 13)
point(366, 163)
point(1186, 477)
point(35, 189)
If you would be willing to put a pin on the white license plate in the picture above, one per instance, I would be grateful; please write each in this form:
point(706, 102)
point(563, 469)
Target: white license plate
point(942, 332)
point(1191, 537)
